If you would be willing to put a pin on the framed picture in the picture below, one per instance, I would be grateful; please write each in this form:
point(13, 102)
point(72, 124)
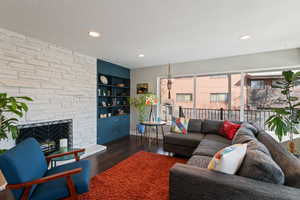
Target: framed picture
point(142, 88)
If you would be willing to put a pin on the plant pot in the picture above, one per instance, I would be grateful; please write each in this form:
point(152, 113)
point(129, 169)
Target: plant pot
point(292, 147)
point(140, 128)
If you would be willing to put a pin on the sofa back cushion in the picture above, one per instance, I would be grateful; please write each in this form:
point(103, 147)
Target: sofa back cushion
point(195, 126)
point(243, 135)
point(212, 126)
point(25, 162)
point(260, 166)
point(289, 164)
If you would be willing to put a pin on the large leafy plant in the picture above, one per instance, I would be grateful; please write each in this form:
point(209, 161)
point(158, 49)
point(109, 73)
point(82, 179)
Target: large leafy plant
point(11, 108)
point(139, 103)
point(285, 121)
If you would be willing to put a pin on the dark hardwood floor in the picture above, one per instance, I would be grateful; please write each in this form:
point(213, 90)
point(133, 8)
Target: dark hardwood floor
point(116, 152)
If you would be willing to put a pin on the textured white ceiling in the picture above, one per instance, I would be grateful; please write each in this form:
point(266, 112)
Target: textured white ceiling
point(165, 31)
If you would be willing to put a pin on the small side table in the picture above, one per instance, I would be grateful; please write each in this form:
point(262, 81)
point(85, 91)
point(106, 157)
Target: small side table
point(160, 124)
point(63, 158)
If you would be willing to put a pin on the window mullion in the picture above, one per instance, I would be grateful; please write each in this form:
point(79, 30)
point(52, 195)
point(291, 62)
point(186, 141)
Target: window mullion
point(242, 97)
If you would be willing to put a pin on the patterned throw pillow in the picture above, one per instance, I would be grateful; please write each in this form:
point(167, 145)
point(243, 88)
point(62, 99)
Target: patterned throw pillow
point(229, 159)
point(179, 125)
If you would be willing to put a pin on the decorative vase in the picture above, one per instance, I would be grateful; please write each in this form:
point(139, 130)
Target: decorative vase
point(140, 128)
point(151, 116)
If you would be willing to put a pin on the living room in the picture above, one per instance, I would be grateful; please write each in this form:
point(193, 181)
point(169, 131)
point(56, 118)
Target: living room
point(153, 100)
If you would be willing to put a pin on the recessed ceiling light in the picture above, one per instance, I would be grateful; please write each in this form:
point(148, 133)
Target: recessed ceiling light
point(141, 55)
point(245, 37)
point(94, 34)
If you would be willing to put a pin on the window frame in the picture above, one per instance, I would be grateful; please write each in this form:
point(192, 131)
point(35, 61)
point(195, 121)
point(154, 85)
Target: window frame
point(258, 80)
point(217, 94)
point(243, 83)
point(190, 94)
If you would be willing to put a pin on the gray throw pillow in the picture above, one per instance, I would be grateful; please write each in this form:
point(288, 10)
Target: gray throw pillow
point(243, 135)
point(255, 145)
point(211, 126)
point(251, 127)
point(195, 126)
point(260, 166)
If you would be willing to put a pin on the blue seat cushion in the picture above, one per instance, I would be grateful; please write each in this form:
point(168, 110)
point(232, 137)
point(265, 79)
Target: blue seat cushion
point(25, 162)
point(58, 189)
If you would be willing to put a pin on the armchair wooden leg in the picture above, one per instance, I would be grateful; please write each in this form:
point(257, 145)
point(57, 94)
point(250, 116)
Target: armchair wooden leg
point(72, 189)
point(25, 195)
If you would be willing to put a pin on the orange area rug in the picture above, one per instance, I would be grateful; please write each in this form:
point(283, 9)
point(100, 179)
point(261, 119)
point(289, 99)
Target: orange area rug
point(143, 176)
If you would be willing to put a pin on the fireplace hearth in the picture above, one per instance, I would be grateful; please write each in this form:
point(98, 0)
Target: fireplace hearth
point(48, 134)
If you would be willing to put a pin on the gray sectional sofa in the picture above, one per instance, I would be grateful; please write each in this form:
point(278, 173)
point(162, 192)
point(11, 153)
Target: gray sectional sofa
point(268, 172)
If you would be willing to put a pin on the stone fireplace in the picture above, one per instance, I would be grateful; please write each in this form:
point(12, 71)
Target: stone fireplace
point(48, 134)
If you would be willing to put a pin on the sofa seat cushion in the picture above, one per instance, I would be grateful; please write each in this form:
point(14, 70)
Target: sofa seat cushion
point(190, 139)
point(57, 189)
point(289, 164)
point(209, 147)
point(218, 138)
point(199, 161)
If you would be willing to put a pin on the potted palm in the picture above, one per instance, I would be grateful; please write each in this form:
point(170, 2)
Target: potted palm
point(285, 121)
point(10, 109)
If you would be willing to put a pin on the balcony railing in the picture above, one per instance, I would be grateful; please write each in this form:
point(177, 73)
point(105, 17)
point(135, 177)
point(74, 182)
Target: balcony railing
point(254, 116)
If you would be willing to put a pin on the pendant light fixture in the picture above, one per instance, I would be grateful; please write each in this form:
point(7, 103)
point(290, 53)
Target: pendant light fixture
point(169, 84)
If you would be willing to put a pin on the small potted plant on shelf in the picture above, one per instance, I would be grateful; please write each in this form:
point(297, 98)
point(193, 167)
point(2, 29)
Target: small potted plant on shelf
point(11, 108)
point(286, 119)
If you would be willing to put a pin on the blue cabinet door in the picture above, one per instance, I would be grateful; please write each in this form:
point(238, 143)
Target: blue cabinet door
point(113, 128)
point(104, 131)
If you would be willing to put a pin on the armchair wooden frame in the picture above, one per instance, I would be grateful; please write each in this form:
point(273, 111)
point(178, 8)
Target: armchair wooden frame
point(67, 174)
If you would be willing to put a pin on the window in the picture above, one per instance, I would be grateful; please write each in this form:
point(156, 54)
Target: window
point(218, 97)
point(257, 84)
point(184, 97)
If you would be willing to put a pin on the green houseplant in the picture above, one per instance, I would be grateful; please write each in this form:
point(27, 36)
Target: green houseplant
point(286, 119)
point(10, 109)
point(140, 103)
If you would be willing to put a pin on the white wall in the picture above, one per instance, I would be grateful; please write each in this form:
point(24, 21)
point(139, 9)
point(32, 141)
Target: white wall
point(61, 82)
point(267, 60)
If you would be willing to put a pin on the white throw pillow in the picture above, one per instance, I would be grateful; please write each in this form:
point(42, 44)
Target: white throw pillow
point(229, 159)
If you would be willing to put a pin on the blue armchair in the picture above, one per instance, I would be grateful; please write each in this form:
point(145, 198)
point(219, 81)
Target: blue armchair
point(26, 169)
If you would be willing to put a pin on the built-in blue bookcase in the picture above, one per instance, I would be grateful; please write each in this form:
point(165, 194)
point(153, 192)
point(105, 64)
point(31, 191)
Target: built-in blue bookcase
point(113, 108)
